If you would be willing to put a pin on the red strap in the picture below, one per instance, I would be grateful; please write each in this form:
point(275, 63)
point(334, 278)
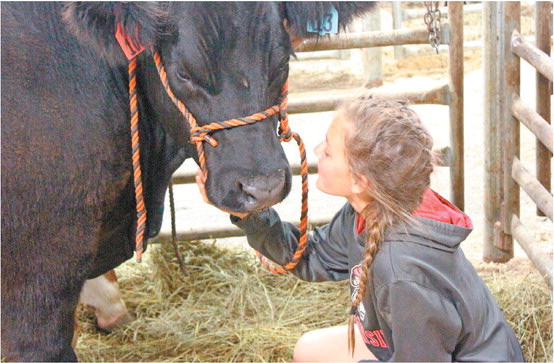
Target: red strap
point(129, 47)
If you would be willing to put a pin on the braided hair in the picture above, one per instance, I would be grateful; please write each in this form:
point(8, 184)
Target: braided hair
point(389, 148)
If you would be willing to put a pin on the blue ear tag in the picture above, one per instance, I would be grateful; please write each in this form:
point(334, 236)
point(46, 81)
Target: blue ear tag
point(329, 23)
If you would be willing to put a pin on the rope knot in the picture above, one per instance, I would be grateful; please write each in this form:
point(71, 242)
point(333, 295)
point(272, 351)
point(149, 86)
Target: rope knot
point(283, 115)
point(285, 133)
point(198, 134)
point(285, 136)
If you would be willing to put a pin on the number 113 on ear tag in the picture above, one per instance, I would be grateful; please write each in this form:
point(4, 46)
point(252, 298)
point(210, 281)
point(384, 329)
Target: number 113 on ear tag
point(329, 23)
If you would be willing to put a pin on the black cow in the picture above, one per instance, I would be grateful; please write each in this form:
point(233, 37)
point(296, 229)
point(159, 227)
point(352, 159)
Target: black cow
point(68, 209)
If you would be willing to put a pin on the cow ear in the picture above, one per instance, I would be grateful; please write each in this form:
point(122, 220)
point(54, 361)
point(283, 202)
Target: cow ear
point(303, 18)
point(95, 24)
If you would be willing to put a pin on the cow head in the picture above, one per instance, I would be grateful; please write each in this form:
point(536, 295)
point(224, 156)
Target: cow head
point(224, 60)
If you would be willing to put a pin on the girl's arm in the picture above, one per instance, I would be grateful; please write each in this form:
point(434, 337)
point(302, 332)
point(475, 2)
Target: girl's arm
point(325, 258)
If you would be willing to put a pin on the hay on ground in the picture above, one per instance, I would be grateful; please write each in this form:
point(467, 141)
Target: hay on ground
point(229, 309)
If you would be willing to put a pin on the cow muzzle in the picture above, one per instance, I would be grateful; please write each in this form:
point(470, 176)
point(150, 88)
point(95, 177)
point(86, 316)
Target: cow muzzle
point(262, 191)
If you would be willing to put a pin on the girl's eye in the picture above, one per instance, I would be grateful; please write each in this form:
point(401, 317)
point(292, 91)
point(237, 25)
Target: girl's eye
point(182, 76)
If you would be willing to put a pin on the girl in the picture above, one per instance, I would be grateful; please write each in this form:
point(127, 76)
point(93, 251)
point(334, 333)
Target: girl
point(415, 297)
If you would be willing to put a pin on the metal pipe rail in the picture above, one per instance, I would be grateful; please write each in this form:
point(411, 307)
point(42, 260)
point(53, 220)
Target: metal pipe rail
point(534, 122)
point(439, 95)
point(542, 261)
point(533, 188)
point(371, 39)
point(504, 111)
point(533, 55)
point(444, 155)
point(214, 232)
point(189, 177)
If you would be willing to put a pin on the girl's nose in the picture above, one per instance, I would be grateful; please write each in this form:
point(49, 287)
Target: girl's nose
point(317, 149)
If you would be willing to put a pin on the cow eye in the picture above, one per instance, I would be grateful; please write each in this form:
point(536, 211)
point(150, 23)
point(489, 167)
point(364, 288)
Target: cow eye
point(183, 76)
point(244, 82)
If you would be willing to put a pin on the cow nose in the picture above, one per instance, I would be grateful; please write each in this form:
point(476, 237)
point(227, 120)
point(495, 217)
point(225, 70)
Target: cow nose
point(263, 190)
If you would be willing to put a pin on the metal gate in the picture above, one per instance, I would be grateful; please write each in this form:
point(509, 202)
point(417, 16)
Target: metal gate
point(504, 111)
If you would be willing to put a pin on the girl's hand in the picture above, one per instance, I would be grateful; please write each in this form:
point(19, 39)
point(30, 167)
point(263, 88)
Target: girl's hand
point(201, 182)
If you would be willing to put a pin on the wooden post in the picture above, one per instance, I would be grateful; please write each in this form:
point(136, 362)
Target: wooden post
point(543, 32)
point(456, 76)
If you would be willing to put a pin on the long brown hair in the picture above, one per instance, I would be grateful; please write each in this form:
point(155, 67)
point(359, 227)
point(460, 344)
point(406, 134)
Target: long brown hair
point(389, 147)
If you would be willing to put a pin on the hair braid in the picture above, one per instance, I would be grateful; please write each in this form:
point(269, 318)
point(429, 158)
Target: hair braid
point(375, 224)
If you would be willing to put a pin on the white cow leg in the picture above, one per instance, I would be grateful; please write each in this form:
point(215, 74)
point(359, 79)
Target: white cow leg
point(103, 296)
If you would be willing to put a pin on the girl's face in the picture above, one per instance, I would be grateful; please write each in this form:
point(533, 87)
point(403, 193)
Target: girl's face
point(334, 174)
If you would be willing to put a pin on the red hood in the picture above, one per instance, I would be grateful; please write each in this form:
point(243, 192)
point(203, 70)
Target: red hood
point(434, 207)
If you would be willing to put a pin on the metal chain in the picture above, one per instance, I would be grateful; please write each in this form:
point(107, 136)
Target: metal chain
point(432, 19)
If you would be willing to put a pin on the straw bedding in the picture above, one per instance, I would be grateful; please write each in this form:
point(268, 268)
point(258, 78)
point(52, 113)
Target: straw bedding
point(230, 309)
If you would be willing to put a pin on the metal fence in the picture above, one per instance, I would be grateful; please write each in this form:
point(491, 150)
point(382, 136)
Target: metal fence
point(504, 111)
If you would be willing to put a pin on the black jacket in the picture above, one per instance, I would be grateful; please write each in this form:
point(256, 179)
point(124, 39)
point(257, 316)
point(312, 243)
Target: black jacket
point(425, 302)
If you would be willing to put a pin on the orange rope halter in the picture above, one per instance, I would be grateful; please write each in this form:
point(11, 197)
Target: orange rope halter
point(199, 134)
point(137, 173)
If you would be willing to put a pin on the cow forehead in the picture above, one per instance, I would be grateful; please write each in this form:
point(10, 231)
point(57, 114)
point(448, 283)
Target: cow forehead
point(229, 21)
point(232, 10)
point(215, 41)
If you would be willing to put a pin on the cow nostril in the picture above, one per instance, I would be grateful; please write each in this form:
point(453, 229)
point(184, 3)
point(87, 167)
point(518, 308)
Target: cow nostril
point(249, 197)
point(262, 190)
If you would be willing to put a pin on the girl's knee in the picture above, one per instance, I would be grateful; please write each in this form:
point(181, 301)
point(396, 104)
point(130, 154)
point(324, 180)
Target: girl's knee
point(303, 350)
